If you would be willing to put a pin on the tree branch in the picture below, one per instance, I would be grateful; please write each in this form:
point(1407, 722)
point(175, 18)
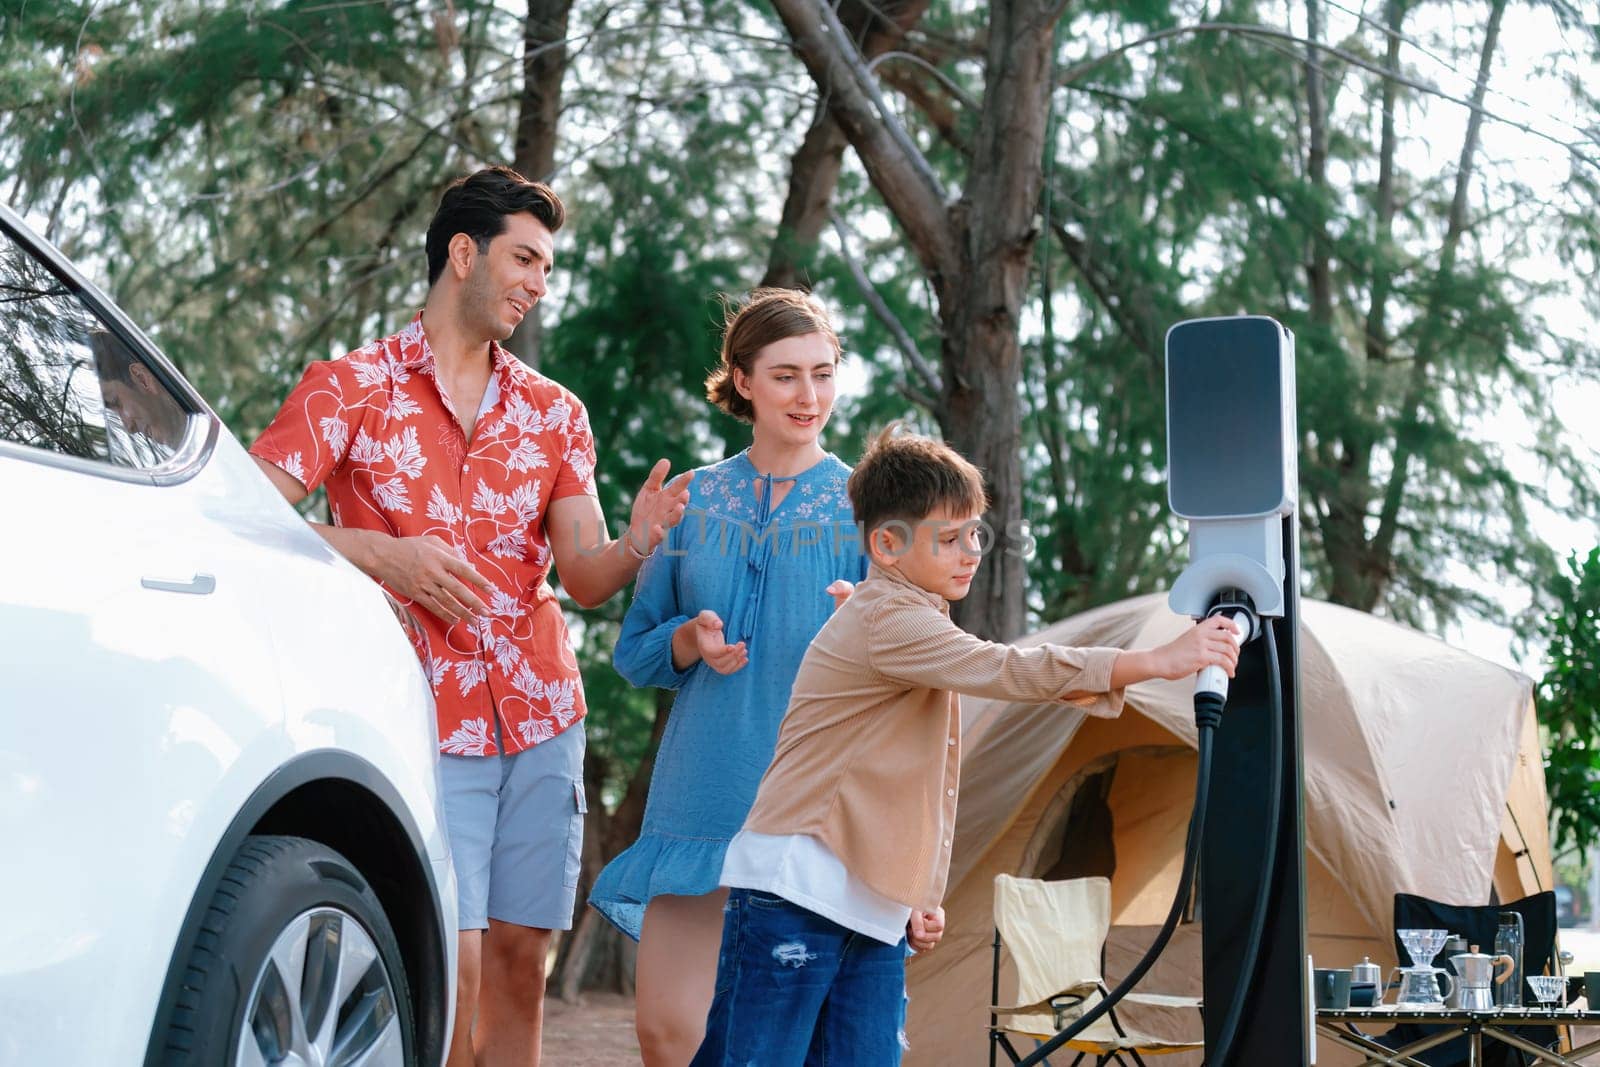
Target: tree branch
point(940, 76)
point(881, 311)
point(1475, 104)
point(897, 170)
point(1432, 328)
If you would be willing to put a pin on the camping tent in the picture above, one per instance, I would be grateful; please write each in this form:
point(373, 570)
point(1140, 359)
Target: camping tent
point(1423, 774)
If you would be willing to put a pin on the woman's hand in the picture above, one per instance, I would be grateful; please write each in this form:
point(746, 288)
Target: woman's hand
point(840, 590)
point(714, 649)
point(925, 929)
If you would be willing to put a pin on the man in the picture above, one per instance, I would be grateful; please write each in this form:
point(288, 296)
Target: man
point(455, 477)
point(130, 392)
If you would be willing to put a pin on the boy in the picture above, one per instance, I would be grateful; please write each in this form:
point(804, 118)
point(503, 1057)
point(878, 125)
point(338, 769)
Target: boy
point(843, 858)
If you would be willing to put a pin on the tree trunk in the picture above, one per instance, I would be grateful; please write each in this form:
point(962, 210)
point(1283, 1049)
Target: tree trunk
point(544, 63)
point(980, 307)
point(1319, 266)
point(1432, 331)
point(813, 173)
point(1377, 331)
point(1344, 537)
point(1343, 510)
point(976, 254)
point(814, 169)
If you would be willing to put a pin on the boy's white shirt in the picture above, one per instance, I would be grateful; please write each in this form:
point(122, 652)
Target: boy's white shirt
point(802, 870)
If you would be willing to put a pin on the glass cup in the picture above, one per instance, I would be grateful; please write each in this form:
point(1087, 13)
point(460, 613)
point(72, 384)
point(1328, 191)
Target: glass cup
point(1548, 988)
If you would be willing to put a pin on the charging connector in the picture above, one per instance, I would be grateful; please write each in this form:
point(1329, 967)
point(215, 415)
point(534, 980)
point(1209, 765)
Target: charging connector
point(1211, 684)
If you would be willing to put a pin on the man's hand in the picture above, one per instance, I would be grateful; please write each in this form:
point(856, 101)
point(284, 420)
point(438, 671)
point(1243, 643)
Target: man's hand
point(427, 571)
point(840, 590)
point(925, 929)
point(1211, 643)
point(658, 507)
point(718, 654)
point(430, 573)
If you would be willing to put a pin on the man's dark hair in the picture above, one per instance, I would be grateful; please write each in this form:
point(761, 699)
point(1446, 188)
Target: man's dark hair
point(477, 205)
point(906, 477)
point(113, 362)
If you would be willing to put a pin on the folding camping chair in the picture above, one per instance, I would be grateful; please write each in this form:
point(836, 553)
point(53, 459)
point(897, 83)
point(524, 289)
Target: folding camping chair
point(1055, 934)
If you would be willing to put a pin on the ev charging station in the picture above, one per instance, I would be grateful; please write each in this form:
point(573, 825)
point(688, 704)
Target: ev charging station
point(1233, 473)
point(1232, 449)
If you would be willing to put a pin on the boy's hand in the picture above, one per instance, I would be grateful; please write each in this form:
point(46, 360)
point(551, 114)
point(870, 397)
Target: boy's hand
point(840, 590)
point(925, 929)
point(1211, 643)
point(718, 654)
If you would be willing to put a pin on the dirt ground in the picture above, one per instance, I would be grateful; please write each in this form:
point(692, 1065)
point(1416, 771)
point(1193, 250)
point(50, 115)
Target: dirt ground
point(596, 1033)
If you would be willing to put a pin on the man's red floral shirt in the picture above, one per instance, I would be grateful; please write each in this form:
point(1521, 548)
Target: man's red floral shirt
point(375, 426)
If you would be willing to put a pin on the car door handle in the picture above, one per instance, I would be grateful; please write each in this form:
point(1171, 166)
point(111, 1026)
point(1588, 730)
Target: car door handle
point(200, 584)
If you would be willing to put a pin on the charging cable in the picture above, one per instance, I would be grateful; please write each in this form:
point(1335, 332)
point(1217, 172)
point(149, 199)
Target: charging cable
point(1191, 858)
point(1211, 696)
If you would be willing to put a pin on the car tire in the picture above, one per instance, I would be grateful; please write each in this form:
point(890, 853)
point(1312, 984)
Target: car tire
point(294, 954)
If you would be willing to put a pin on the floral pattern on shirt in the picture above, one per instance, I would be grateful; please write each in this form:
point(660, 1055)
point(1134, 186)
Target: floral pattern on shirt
point(377, 429)
point(733, 490)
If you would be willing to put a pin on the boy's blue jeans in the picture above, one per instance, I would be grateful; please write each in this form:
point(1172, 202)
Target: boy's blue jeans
point(797, 990)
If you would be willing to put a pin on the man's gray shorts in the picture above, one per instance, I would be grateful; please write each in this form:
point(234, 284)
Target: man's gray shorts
point(515, 825)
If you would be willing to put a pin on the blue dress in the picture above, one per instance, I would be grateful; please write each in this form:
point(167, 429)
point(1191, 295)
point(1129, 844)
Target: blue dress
point(763, 571)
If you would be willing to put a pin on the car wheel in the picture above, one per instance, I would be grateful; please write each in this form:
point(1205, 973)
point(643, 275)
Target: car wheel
point(295, 963)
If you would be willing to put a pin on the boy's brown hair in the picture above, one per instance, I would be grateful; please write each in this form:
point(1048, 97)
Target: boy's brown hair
point(771, 314)
point(906, 477)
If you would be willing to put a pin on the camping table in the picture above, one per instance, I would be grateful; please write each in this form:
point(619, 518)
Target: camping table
point(1342, 1026)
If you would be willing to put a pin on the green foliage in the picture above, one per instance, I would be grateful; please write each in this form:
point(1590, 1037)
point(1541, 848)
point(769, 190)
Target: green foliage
point(252, 183)
point(634, 341)
point(1568, 700)
point(1182, 187)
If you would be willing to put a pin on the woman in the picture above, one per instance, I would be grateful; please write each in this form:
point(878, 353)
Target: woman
point(723, 612)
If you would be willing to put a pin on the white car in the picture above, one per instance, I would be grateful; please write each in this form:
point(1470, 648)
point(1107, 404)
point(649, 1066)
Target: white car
point(218, 785)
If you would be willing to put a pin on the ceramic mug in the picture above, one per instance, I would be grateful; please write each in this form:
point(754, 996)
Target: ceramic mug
point(1330, 987)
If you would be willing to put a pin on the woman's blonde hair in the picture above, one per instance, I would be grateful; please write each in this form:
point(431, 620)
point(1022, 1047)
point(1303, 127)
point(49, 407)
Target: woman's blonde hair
point(769, 315)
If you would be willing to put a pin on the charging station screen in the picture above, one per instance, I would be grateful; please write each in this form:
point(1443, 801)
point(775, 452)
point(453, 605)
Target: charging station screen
point(1225, 418)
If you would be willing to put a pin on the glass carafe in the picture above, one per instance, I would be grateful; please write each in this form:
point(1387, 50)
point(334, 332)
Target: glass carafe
point(1419, 987)
point(1420, 983)
point(1508, 942)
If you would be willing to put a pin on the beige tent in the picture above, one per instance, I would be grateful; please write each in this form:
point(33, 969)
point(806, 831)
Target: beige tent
point(1423, 774)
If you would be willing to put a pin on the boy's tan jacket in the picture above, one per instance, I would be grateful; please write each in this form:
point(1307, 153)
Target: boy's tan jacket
point(869, 753)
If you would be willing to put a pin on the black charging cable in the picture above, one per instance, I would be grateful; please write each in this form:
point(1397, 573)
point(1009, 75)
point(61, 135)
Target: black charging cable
point(1191, 861)
point(1208, 707)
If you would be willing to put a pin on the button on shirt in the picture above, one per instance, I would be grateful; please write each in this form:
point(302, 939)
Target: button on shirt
point(868, 755)
point(377, 429)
